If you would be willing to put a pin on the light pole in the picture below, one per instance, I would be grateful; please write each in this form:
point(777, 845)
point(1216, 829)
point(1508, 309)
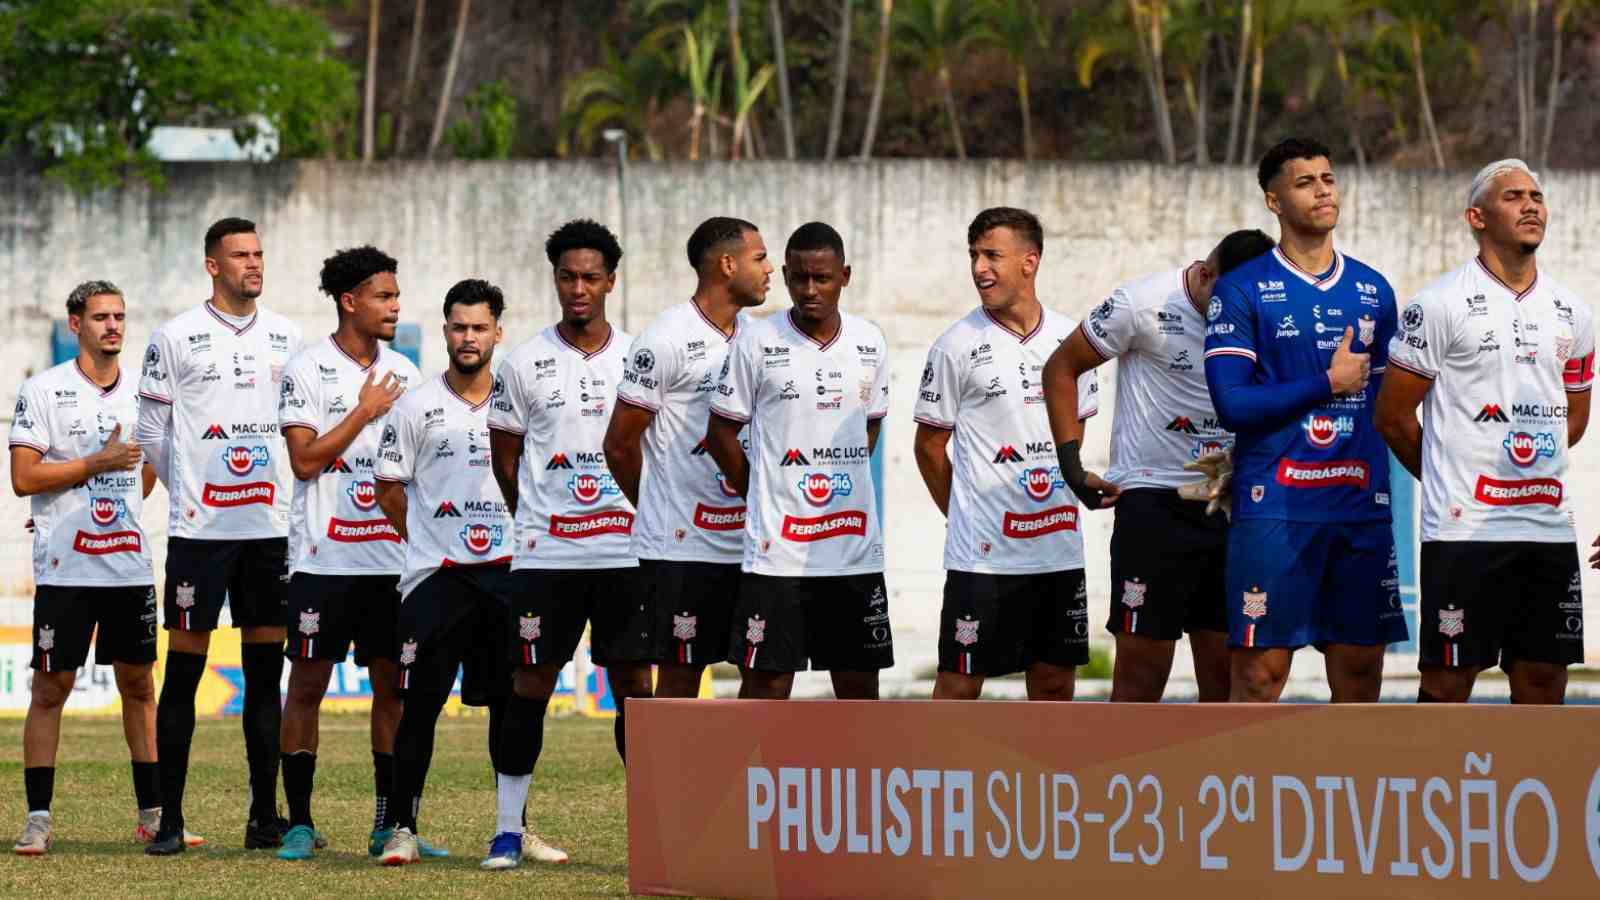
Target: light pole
point(619, 138)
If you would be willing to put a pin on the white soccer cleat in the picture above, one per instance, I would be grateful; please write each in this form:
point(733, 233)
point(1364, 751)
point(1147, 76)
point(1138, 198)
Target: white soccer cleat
point(36, 838)
point(150, 823)
point(535, 848)
point(400, 849)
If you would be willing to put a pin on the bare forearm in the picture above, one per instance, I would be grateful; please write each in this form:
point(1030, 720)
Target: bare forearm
point(309, 459)
point(1061, 402)
point(626, 464)
point(936, 474)
point(394, 505)
point(722, 442)
point(48, 477)
point(1405, 441)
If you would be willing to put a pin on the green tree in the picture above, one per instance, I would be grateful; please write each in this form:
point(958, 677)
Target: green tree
point(1021, 31)
point(102, 74)
point(936, 32)
point(881, 71)
point(1418, 26)
point(492, 128)
point(625, 92)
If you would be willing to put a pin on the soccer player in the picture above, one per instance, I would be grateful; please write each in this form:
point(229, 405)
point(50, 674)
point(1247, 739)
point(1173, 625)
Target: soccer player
point(435, 487)
point(813, 385)
point(1293, 337)
point(91, 562)
point(208, 419)
point(1501, 358)
point(572, 560)
point(1167, 553)
point(689, 532)
point(1014, 594)
point(344, 556)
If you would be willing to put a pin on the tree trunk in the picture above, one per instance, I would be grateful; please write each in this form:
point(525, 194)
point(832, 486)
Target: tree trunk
point(735, 54)
point(695, 119)
point(734, 47)
point(885, 13)
point(1342, 65)
point(786, 110)
point(842, 41)
point(369, 99)
point(1202, 153)
point(1027, 115)
point(1531, 82)
point(950, 111)
point(1422, 96)
point(1257, 60)
point(404, 124)
point(1155, 78)
point(1553, 94)
point(1230, 156)
point(442, 111)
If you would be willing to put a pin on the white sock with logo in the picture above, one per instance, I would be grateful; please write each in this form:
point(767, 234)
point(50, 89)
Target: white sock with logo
point(512, 795)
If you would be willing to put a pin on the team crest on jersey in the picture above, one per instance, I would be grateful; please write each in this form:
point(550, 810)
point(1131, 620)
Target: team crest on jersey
point(1257, 493)
point(684, 627)
point(1133, 594)
point(1563, 348)
point(364, 494)
point(1366, 328)
point(47, 638)
point(408, 653)
point(1255, 603)
point(528, 627)
point(310, 622)
point(967, 632)
point(185, 595)
point(1452, 622)
point(756, 630)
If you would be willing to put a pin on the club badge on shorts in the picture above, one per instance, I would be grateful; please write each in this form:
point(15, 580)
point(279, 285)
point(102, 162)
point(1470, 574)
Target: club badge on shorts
point(408, 653)
point(1133, 594)
point(310, 622)
point(1452, 622)
point(47, 639)
point(967, 632)
point(528, 627)
point(684, 627)
point(1255, 603)
point(756, 632)
point(185, 595)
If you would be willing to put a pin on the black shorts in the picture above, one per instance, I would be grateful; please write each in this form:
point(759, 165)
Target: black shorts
point(553, 605)
point(1487, 603)
point(1168, 561)
point(327, 613)
point(456, 620)
point(836, 622)
point(252, 576)
point(64, 620)
point(693, 607)
point(999, 624)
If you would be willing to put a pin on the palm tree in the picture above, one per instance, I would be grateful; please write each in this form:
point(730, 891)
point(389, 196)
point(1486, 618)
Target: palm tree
point(1416, 23)
point(442, 112)
point(369, 100)
point(937, 31)
point(411, 78)
point(775, 14)
point(1148, 18)
point(1190, 31)
point(747, 89)
point(699, 54)
point(885, 24)
point(841, 43)
point(1565, 12)
point(1021, 30)
point(1231, 156)
point(620, 92)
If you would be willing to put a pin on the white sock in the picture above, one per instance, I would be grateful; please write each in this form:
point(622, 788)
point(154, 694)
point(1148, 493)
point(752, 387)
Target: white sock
point(46, 812)
point(512, 793)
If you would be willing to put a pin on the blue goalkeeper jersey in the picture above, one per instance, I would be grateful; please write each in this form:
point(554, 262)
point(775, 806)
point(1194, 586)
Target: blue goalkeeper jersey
point(1302, 454)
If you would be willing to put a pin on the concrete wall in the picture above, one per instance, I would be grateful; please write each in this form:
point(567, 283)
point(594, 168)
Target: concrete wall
point(904, 224)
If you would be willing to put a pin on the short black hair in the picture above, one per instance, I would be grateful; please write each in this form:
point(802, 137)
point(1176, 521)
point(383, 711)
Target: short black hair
point(1285, 150)
point(1240, 247)
point(816, 236)
point(716, 233)
point(584, 234)
point(1024, 223)
point(78, 300)
point(345, 270)
point(221, 228)
point(471, 292)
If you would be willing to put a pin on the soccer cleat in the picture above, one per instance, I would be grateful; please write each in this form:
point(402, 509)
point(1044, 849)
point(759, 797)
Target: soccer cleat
point(534, 848)
point(381, 836)
point(505, 851)
point(265, 835)
point(401, 848)
point(150, 825)
point(166, 845)
point(36, 837)
point(299, 843)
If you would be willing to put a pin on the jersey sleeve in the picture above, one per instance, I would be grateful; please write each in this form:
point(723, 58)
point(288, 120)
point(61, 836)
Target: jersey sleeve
point(1230, 323)
point(1112, 328)
point(156, 378)
point(300, 397)
point(939, 398)
point(736, 390)
point(878, 399)
point(1422, 339)
point(1578, 375)
point(30, 426)
point(397, 449)
point(646, 374)
point(508, 401)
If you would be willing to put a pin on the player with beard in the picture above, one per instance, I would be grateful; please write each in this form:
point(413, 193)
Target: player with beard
point(208, 421)
point(1500, 356)
point(572, 560)
point(813, 386)
point(435, 486)
point(1155, 328)
point(1292, 338)
point(344, 556)
point(91, 560)
point(688, 536)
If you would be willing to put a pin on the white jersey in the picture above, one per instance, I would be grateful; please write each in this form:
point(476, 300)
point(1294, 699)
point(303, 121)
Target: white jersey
point(229, 475)
point(335, 525)
point(1494, 424)
point(558, 399)
point(87, 534)
point(437, 444)
point(686, 509)
point(812, 506)
point(1164, 417)
point(1010, 510)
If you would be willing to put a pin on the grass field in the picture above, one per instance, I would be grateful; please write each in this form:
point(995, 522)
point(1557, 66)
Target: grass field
point(577, 803)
